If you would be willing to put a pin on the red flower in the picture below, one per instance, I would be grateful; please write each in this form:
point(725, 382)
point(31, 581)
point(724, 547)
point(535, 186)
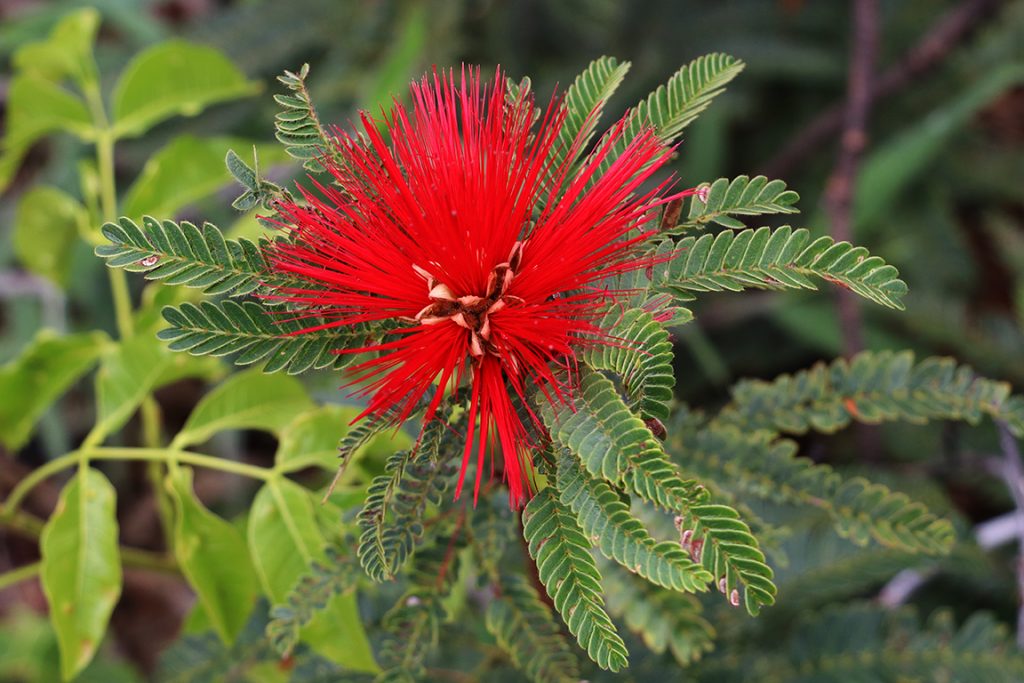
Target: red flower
point(457, 225)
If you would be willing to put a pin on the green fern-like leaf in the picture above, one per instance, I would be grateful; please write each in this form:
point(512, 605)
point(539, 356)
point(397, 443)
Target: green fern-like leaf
point(297, 126)
point(252, 332)
point(258, 191)
point(769, 258)
point(606, 520)
point(675, 105)
point(337, 573)
point(638, 350)
point(863, 510)
point(356, 437)
point(719, 201)
point(666, 620)
point(584, 102)
point(411, 630)
point(873, 388)
point(525, 628)
point(392, 516)
point(863, 642)
point(758, 464)
point(616, 445)
point(492, 526)
point(724, 545)
point(183, 254)
point(567, 570)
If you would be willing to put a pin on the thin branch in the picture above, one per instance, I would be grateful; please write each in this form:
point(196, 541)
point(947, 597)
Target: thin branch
point(15, 576)
point(952, 29)
point(1012, 472)
point(10, 505)
point(989, 534)
point(842, 183)
point(998, 531)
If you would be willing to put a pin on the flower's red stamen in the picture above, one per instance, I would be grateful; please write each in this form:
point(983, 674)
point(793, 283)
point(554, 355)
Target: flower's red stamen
point(450, 218)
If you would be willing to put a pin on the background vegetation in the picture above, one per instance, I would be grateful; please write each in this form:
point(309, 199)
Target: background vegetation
point(937, 194)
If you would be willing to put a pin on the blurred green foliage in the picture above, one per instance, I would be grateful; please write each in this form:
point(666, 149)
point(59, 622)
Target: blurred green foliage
point(174, 83)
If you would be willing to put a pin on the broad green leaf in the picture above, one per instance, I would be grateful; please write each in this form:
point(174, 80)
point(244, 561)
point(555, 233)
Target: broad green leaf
point(212, 553)
point(311, 440)
point(46, 368)
point(187, 170)
point(28, 653)
point(247, 400)
point(283, 540)
point(37, 107)
point(126, 375)
point(66, 52)
point(81, 567)
point(148, 322)
point(46, 229)
point(283, 535)
point(171, 78)
point(337, 632)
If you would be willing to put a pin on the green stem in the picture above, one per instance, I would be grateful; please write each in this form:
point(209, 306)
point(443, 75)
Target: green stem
point(142, 559)
point(108, 207)
point(10, 506)
point(122, 302)
point(23, 523)
point(150, 412)
point(9, 578)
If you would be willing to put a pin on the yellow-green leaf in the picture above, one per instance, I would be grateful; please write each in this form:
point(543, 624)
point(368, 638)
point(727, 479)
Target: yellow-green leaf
point(37, 107)
point(43, 371)
point(212, 553)
point(247, 400)
point(126, 375)
point(284, 539)
point(311, 439)
point(46, 229)
point(81, 567)
point(66, 52)
point(172, 78)
point(283, 535)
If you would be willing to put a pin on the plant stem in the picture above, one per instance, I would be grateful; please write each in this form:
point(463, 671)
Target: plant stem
point(10, 506)
point(23, 522)
point(108, 207)
point(150, 411)
point(1011, 469)
point(13, 576)
point(842, 184)
point(142, 559)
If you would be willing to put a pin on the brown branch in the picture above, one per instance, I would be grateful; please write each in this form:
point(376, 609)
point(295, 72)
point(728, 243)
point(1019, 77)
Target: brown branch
point(1011, 469)
point(952, 29)
point(841, 184)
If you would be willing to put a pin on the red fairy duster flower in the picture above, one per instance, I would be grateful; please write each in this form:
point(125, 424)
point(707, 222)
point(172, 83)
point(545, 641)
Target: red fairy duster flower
point(452, 219)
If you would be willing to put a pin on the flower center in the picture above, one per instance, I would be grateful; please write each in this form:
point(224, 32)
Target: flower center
point(471, 312)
